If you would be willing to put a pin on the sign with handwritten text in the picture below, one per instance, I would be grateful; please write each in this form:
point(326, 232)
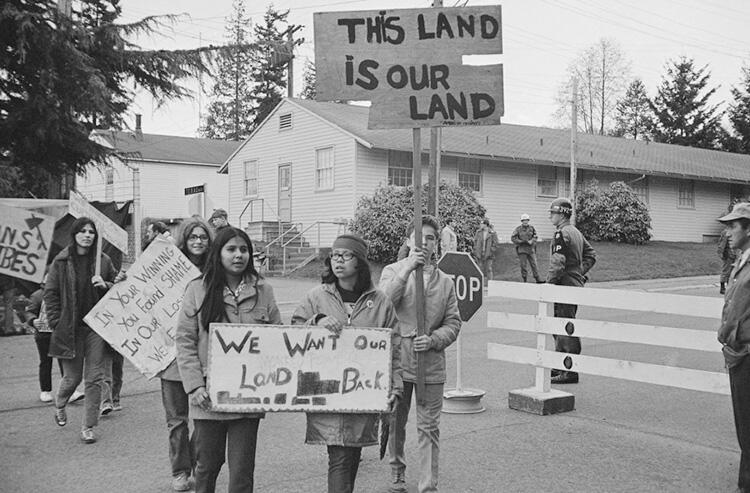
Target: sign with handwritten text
point(78, 206)
point(253, 368)
point(138, 316)
point(410, 64)
point(25, 239)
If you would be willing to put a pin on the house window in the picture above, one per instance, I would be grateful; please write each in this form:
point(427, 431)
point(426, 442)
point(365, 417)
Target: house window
point(324, 168)
point(546, 181)
point(251, 178)
point(109, 180)
point(686, 194)
point(640, 188)
point(399, 169)
point(470, 174)
point(285, 121)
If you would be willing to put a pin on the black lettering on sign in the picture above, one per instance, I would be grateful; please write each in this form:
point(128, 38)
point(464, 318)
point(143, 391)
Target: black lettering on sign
point(352, 381)
point(309, 383)
point(309, 343)
point(252, 348)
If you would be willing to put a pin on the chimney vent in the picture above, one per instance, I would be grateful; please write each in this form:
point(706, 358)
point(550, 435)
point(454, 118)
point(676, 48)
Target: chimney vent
point(138, 130)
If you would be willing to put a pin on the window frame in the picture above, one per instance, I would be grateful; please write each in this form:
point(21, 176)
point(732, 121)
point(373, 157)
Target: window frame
point(690, 192)
point(246, 180)
point(463, 163)
point(539, 190)
point(318, 169)
point(394, 166)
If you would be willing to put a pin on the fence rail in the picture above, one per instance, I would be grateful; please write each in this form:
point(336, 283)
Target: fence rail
point(544, 325)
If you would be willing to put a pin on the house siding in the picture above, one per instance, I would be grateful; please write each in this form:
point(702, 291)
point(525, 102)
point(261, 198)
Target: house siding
point(272, 147)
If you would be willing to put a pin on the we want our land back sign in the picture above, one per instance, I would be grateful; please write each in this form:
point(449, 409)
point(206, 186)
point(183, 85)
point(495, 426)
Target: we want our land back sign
point(138, 316)
point(258, 368)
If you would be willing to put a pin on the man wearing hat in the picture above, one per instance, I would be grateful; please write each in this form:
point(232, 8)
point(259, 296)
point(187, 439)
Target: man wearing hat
point(219, 219)
point(524, 237)
point(734, 333)
point(571, 257)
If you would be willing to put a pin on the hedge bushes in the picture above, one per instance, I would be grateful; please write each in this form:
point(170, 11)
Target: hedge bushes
point(614, 214)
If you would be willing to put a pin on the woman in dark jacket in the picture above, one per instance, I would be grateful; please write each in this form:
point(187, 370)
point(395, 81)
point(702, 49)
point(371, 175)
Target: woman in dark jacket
point(347, 298)
point(71, 291)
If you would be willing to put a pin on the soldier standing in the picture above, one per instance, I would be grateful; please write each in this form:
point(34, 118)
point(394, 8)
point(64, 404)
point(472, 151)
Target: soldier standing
point(524, 237)
point(571, 257)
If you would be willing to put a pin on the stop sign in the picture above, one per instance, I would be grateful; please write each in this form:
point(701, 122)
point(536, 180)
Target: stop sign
point(468, 280)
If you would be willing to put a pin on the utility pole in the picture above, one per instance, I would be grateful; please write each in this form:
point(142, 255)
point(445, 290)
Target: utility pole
point(573, 135)
point(290, 66)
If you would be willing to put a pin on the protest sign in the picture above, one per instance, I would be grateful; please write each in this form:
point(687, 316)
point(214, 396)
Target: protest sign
point(253, 368)
point(409, 63)
point(25, 239)
point(107, 228)
point(138, 316)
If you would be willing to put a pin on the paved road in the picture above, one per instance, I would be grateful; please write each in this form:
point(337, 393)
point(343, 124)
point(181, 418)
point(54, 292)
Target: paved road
point(622, 437)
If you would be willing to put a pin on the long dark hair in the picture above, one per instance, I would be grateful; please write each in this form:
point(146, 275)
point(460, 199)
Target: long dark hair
point(76, 228)
point(364, 276)
point(215, 279)
point(186, 229)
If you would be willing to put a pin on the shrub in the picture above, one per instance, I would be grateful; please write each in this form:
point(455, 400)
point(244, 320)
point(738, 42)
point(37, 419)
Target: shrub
point(384, 218)
point(615, 214)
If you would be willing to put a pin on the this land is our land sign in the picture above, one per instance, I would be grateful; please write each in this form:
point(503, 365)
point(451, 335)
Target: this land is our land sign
point(25, 239)
point(410, 64)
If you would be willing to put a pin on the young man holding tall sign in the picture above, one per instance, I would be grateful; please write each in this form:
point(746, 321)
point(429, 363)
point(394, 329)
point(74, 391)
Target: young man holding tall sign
point(442, 323)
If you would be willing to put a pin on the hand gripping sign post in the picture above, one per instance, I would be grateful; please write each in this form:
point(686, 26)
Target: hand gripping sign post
point(258, 368)
point(25, 238)
point(468, 281)
point(409, 63)
point(138, 316)
point(107, 229)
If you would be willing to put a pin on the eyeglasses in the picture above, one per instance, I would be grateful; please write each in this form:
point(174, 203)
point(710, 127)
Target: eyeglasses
point(342, 257)
point(197, 237)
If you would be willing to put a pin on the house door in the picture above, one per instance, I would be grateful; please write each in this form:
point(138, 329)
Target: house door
point(285, 192)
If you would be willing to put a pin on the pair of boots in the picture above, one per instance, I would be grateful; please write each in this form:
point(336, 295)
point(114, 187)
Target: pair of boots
point(538, 281)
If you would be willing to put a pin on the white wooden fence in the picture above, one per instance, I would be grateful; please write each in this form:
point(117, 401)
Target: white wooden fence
point(544, 325)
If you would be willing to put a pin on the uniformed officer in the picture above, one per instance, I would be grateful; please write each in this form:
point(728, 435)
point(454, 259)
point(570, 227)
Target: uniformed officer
point(525, 238)
point(571, 257)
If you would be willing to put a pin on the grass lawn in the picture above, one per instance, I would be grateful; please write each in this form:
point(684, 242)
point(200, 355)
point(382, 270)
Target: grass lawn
point(615, 261)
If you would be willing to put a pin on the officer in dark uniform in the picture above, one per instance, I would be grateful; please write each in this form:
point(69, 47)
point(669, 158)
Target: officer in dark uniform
point(571, 257)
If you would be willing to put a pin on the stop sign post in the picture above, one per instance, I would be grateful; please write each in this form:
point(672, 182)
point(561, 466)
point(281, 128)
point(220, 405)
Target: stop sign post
point(468, 282)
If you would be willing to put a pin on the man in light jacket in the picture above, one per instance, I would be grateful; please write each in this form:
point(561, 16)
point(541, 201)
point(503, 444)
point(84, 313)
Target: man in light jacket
point(442, 323)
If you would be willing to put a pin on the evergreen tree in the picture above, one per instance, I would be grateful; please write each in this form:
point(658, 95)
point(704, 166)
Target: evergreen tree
point(309, 79)
point(232, 109)
point(271, 54)
point(62, 76)
point(739, 116)
point(633, 113)
point(682, 114)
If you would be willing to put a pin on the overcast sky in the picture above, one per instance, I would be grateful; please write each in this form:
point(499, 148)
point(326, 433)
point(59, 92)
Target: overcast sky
point(540, 39)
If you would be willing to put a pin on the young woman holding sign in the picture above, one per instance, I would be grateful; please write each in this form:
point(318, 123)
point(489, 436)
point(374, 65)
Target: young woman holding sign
point(347, 298)
point(71, 291)
point(231, 291)
point(194, 240)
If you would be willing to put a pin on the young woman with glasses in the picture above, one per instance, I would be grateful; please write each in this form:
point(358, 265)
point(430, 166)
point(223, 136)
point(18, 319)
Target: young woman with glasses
point(347, 298)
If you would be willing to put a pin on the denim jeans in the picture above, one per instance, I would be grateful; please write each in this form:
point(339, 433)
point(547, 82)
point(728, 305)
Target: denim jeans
point(739, 383)
point(234, 439)
point(112, 376)
point(45, 361)
point(87, 364)
point(343, 463)
point(176, 406)
point(428, 434)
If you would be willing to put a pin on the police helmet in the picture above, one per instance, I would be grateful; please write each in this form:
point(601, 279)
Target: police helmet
point(525, 217)
point(561, 206)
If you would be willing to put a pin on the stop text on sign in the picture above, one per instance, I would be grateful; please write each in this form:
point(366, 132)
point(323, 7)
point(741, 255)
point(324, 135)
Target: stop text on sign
point(466, 287)
point(409, 63)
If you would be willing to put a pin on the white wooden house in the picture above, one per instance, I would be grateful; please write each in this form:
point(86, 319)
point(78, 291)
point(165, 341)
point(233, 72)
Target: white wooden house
point(311, 161)
point(167, 165)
